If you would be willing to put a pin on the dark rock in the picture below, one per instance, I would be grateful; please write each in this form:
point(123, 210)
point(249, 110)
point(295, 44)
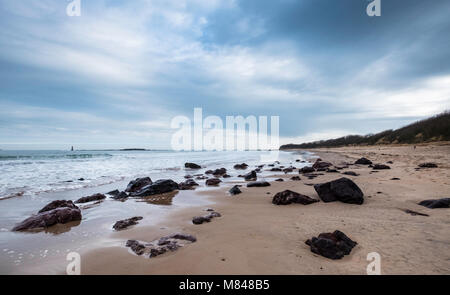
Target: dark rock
point(258, 184)
point(159, 187)
point(58, 204)
point(113, 193)
point(331, 245)
point(296, 178)
point(288, 170)
point(138, 184)
point(48, 218)
point(390, 162)
point(81, 179)
point(279, 179)
point(288, 197)
point(428, 165)
point(181, 236)
point(351, 173)
point(342, 189)
point(192, 166)
point(213, 181)
point(242, 166)
point(363, 161)
point(437, 203)
point(136, 247)
point(207, 218)
point(235, 190)
point(209, 172)
point(87, 199)
point(189, 184)
point(275, 169)
point(251, 176)
point(160, 246)
point(226, 176)
point(188, 176)
point(395, 178)
point(120, 196)
point(381, 167)
point(123, 224)
point(414, 213)
point(320, 164)
point(332, 171)
point(306, 169)
point(219, 172)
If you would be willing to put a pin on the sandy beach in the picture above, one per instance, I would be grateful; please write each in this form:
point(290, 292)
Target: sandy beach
point(253, 236)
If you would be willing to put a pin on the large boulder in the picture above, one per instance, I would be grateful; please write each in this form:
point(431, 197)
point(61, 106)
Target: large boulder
point(95, 197)
point(331, 245)
point(158, 187)
point(258, 184)
point(192, 166)
point(58, 204)
point(123, 224)
point(363, 161)
point(288, 197)
point(342, 189)
point(251, 176)
point(438, 203)
point(49, 218)
point(138, 184)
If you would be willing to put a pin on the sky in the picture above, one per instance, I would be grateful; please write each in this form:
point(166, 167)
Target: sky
point(117, 75)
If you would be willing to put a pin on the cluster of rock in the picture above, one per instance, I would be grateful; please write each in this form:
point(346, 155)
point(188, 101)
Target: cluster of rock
point(165, 244)
point(206, 218)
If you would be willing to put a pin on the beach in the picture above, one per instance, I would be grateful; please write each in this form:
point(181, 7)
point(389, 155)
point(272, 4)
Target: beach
point(253, 236)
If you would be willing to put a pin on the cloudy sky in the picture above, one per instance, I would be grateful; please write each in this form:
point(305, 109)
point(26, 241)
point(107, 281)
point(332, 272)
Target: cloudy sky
point(116, 76)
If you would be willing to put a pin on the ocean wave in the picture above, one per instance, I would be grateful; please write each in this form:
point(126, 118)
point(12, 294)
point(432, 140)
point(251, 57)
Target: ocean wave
point(53, 157)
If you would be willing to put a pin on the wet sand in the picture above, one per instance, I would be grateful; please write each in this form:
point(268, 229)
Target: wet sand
point(253, 236)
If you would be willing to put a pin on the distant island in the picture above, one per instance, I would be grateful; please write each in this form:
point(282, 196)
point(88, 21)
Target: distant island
point(134, 149)
point(436, 128)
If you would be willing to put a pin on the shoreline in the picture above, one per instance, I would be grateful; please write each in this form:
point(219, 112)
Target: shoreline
point(254, 236)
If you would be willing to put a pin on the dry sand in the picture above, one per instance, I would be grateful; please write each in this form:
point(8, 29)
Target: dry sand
point(253, 236)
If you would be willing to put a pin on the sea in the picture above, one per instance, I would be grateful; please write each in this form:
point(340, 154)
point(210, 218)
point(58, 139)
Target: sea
point(31, 179)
